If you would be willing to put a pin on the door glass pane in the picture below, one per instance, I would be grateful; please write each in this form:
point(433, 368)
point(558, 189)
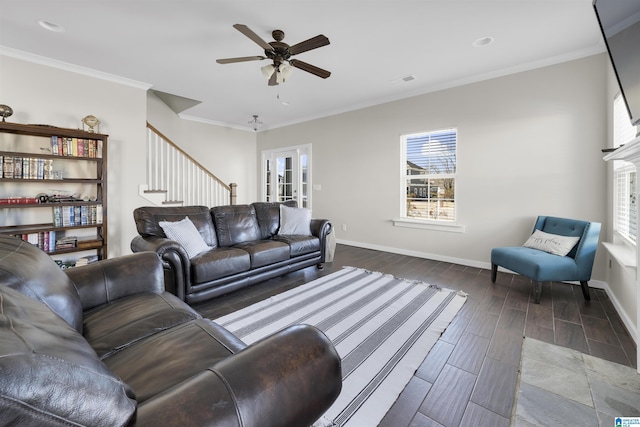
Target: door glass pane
point(304, 196)
point(285, 179)
point(268, 180)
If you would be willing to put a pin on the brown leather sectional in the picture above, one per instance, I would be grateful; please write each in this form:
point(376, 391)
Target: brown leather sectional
point(105, 345)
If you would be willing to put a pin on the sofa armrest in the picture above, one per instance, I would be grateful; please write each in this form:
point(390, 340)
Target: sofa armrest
point(108, 280)
point(321, 228)
point(288, 379)
point(174, 259)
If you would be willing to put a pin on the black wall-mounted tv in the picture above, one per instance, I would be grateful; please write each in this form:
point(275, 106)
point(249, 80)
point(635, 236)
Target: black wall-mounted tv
point(620, 24)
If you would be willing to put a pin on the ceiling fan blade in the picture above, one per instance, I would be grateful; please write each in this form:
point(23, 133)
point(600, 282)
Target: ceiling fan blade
point(312, 43)
point(253, 36)
point(310, 68)
point(240, 59)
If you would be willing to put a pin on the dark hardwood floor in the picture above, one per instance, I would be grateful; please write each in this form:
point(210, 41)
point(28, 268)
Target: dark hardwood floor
point(470, 376)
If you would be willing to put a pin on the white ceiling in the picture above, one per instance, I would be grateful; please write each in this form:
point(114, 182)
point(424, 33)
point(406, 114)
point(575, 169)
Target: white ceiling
point(172, 46)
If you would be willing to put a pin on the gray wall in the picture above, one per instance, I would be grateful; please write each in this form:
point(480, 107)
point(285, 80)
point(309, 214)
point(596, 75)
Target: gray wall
point(529, 144)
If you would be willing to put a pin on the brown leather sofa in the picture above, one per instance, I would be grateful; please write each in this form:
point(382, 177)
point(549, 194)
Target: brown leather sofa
point(105, 345)
point(245, 247)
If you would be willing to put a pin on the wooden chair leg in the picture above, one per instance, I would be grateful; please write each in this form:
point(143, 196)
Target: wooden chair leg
point(494, 272)
point(585, 290)
point(537, 291)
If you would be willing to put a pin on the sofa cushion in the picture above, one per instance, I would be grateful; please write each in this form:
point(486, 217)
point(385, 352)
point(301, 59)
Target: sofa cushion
point(235, 224)
point(147, 220)
point(43, 281)
point(265, 252)
point(185, 233)
point(117, 325)
point(50, 374)
point(268, 214)
point(217, 263)
point(300, 245)
point(193, 347)
point(294, 221)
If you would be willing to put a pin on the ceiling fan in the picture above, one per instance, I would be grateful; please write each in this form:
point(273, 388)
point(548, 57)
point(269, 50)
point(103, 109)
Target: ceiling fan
point(280, 53)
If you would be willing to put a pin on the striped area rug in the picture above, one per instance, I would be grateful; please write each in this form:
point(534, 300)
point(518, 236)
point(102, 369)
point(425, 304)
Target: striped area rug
point(382, 326)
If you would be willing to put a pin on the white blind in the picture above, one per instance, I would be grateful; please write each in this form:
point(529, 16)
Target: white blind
point(625, 204)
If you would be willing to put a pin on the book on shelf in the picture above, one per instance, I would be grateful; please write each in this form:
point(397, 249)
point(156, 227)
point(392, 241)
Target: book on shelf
point(47, 172)
point(26, 168)
point(7, 167)
point(17, 167)
point(66, 242)
point(55, 147)
point(18, 200)
point(86, 260)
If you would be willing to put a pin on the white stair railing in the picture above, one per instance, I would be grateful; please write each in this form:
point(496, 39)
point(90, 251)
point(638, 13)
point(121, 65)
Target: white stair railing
point(181, 178)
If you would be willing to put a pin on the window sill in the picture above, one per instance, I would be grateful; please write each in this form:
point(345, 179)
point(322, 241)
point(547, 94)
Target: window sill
point(428, 225)
point(623, 254)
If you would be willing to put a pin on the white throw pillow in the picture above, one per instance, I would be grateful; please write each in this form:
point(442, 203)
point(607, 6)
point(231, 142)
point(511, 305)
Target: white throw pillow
point(294, 221)
point(552, 243)
point(185, 233)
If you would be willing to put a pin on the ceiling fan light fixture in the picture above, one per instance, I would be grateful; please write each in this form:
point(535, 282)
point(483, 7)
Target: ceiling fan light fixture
point(285, 71)
point(483, 41)
point(50, 26)
point(268, 70)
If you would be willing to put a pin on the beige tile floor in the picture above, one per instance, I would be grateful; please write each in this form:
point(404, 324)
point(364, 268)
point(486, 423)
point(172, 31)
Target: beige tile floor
point(564, 387)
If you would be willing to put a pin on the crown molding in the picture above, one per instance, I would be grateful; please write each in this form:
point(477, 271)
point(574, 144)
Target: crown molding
point(54, 63)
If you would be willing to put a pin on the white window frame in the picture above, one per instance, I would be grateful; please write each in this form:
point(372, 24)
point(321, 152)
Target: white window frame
point(443, 223)
point(624, 177)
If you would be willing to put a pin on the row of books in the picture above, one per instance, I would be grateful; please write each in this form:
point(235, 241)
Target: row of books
point(46, 240)
point(76, 147)
point(26, 167)
point(69, 216)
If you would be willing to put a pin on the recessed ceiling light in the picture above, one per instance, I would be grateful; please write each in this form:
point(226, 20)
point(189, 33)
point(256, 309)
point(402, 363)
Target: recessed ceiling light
point(404, 79)
point(483, 41)
point(51, 26)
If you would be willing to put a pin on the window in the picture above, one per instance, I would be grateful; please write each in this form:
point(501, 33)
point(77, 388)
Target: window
point(429, 175)
point(624, 175)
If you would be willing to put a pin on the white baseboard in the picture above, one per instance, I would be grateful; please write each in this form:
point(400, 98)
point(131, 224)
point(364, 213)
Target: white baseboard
point(598, 284)
point(417, 254)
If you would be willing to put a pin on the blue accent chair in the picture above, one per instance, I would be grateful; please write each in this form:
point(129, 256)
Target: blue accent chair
point(541, 266)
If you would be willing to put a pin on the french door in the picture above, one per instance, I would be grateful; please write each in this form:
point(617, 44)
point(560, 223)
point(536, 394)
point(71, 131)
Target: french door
point(285, 175)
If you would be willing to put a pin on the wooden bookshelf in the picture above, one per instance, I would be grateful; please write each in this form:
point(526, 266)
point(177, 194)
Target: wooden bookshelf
point(72, 180)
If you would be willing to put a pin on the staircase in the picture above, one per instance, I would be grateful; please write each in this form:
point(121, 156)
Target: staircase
point(174, 178)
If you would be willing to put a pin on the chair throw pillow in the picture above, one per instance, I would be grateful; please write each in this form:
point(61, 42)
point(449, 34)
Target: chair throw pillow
point(552, 243)
point(185, 233)
point(294, 221)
